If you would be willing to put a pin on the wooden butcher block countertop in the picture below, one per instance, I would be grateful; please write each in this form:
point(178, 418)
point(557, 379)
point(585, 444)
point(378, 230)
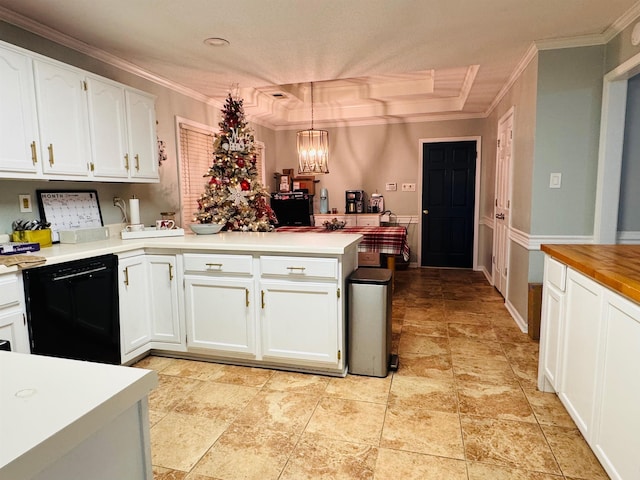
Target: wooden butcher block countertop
point(616, 266)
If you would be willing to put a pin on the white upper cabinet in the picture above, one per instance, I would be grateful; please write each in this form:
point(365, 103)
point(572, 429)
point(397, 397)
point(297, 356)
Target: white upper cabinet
point(60, 122)
point(143, 149)
point(62, 116)
point(18, 116)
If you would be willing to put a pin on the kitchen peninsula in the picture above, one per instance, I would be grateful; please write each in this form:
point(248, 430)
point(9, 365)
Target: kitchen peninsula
point(63, 419)
point(590, 346)
point(264, 299)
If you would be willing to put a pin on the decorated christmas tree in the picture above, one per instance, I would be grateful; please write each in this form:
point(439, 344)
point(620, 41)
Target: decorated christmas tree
point(233, 196)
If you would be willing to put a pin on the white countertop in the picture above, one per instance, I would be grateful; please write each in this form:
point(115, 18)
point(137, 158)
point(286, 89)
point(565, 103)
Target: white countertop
point(261, 242)
point(49, 405)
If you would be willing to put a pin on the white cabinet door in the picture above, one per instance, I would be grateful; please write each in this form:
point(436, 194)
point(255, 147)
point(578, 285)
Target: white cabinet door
point(368, 220)
point(108, 129)
point(135, 327)
point(580, 349)
point(62, 114)
point(163, 291)
point(616, 441)
point(13, 328)
point(141, 122)
point(220, 315)
point(18, 116)
point(300, 324)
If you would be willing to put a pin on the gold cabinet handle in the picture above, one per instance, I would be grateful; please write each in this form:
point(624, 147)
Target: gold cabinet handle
point(426, 212)
point(137, 162)
point(262, 298)
point(34, 153)
point(170, 272)
point(51, 159)
point(214, 265)
point(246, 293)
point(92, 167)
point(126, 161)
point(301, 269)
point(126, 276)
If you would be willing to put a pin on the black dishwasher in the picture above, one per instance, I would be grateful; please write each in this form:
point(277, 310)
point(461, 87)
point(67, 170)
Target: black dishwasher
point(72, 309)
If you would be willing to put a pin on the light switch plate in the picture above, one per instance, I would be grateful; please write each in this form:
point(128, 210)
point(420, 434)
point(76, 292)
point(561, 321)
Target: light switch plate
point(25, 203)
point(408, 187)
point(555, 180)
point(391, 187)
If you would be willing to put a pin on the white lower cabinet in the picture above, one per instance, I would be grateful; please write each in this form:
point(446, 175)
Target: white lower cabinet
point(580, 348)
point(220, 315)
point(596, 367)
point(13, 326)
point(164, 276)
point(617, 423)
point(135, 319)
point(299, 323)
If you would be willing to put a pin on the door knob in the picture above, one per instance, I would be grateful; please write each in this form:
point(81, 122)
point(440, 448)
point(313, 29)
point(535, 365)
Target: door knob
point(426, 212)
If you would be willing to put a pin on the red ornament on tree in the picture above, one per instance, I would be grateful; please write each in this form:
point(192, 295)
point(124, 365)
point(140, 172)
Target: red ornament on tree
point(245, 185)
point(240, 162)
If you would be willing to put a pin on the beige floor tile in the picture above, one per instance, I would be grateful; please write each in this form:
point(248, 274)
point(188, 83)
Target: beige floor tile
point(155, 416)
point(394, 464)
point(480, 332)
point(179, 441)
point(217, 401)
point(430, 366)
point(423, 345)
point(522, 352)
point(573, 454)
point(507, 443)
point(468, 318)
point(415, 315)
point(246, 453)
point(470, 347)
point(547, 408)
point(298, 382)
point(170, 391)
point(196, 476)
point(192, 369)
point(430, 328)
point(490, 370)
point(153, 362)
point(503, 401)
point(423, 431)
point(317, 457)
point(279, 411)
point(358, 387)
point(510, 334)
point(160, 473)
point(348, 420)
point(419, 393)
point(483, 471)
point(250, 377)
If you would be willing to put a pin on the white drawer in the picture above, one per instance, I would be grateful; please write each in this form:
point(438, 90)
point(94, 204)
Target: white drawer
point(299, 267)
point(556, 274)
point(10, 293)
point(198, 262)
point(368, 221)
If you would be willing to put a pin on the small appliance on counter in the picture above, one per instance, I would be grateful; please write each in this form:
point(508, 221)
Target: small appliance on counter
point(293, 208)
point(355, 201)
point(376, 203)
point(324, 201)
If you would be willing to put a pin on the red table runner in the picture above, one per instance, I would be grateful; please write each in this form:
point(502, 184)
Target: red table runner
point(389, 240)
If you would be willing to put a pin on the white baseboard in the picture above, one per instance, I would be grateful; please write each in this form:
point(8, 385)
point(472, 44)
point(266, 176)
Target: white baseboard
point(486, 274)
point(521, 322)
point(628, 238)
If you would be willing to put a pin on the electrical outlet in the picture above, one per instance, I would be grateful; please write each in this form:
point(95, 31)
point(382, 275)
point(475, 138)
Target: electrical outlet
point(115, 201)
point(391, 187)
point(25, 203)
point(408, 187)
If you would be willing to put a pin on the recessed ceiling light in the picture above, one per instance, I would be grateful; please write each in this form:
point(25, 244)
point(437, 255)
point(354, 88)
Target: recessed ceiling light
point(216, 42)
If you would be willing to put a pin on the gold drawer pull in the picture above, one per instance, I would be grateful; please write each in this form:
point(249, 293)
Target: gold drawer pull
point(126, 276)
point(246, 293)
point(34, 153)
point(262, 298)
point(137, 162)
point(170, 272)
point(126, 161)
point(51, 159)
point(301, 269)
point(214, 265)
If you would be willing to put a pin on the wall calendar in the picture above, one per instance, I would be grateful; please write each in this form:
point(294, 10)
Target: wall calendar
point(69, 210)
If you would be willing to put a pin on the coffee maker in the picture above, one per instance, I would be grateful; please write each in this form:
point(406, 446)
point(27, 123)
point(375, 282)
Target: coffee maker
point(355, 201)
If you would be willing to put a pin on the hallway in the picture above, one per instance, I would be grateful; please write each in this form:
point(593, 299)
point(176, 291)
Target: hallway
point(462, 406)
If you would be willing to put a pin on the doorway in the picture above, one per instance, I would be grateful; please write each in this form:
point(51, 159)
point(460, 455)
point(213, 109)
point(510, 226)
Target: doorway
point(448, 204)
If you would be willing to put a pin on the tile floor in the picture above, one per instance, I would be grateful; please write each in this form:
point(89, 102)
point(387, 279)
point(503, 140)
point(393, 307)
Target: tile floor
point(463, 405)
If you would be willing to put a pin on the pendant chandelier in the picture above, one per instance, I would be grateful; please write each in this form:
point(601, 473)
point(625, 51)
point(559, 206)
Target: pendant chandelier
point(313, 148)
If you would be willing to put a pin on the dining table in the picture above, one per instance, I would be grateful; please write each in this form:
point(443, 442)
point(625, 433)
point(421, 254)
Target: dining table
point(390, 241)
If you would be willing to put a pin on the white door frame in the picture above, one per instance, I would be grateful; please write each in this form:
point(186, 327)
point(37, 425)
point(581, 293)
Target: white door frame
point(476, 206)
point(614, 106)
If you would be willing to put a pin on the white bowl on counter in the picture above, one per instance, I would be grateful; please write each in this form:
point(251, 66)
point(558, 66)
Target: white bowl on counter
point(205, 228)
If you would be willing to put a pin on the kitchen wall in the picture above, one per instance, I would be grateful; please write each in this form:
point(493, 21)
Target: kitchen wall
point(629, 213)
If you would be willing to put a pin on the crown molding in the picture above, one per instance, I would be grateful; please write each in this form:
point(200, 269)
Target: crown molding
point(623, 22)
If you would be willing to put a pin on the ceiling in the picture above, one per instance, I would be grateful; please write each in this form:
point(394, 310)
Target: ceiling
point(370, 60)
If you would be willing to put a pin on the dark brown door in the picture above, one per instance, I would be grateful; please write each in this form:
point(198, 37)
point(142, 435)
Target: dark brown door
point(448, 198)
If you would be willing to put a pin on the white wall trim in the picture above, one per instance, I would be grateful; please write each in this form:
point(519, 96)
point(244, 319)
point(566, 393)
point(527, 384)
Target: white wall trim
point(521, 322)
point(486, 273)
point(533, 242)
point(628, 237)
point(487, 221)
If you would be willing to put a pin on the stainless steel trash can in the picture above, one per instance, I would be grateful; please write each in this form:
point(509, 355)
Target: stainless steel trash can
point(369, 332)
